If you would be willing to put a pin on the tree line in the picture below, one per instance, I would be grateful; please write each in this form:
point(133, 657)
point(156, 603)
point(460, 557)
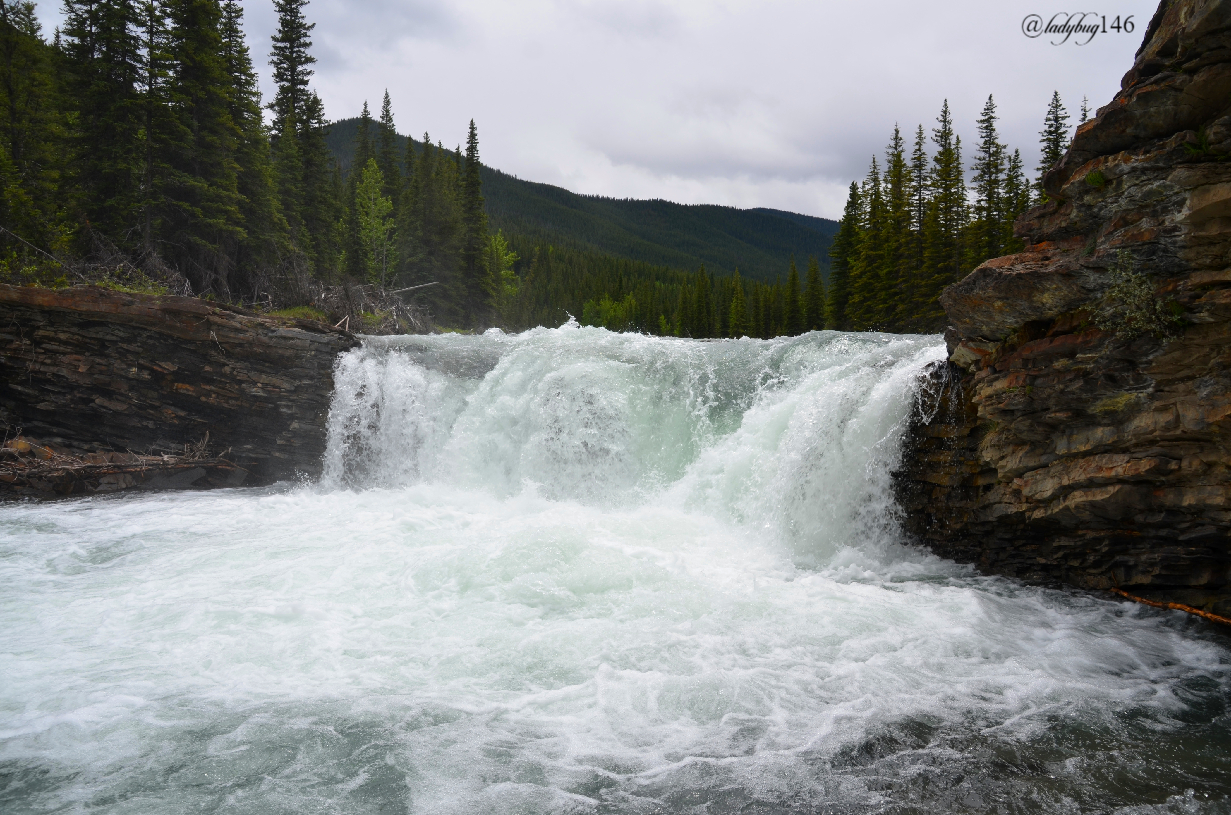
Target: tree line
point(553, 283)
point(136, 138)
point(914, 225)
point(910, 228)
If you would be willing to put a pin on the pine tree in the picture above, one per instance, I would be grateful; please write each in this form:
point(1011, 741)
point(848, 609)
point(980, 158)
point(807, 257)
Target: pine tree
point(1054, 137)
point(204, 226)
point(260, 210)
point(474, 230)
point(318, 194)
point(895, 235)
point(792, 312)
point(103, 60)
point(949, 191)
point(34, 203)
point(863, 309)
point(756, 322)
point(1016, 201)
point(987, 239)
point(737, 321)
point(291, 60)
point(386, 153)
point(842, 255)
point(1085, 110)
point(702, 305)
point(364, 151)
point(919, 197)
point(374, 219)
point(814, 298)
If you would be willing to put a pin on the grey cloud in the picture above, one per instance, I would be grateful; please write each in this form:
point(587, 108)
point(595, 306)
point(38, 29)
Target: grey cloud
point(747, 102)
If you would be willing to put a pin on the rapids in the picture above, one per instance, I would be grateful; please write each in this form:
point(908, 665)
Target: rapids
point(572, 571)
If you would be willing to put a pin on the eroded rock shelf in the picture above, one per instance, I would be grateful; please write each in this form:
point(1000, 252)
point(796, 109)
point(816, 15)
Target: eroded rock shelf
point(93, 371)
point(1066, 452)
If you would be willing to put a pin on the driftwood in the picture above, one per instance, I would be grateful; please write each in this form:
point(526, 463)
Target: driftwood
point(1214, 618)
point(29, 469)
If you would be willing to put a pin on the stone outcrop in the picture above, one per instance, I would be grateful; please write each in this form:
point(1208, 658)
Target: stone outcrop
point(1062, 450)
point(92, 371)
point(30, 468)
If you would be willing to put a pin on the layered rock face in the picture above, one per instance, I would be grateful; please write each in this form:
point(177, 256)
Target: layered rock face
point(1060, 450)
point(92, 370)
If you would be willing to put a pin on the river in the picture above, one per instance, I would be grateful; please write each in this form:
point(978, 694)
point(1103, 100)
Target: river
point(572, 571)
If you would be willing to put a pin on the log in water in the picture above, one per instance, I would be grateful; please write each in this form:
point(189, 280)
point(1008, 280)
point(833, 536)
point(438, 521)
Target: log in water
point(572, 571)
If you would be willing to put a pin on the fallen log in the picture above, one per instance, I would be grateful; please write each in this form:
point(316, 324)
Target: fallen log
point(32, 470)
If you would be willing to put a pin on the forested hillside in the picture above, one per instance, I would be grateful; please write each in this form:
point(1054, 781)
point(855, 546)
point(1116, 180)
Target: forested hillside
point(758, 242)
point(136, 151)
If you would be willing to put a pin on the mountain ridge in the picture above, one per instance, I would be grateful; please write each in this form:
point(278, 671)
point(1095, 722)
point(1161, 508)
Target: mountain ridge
point(760, 242)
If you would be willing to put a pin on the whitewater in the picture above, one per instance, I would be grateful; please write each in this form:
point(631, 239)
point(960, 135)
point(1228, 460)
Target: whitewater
point(575, 571)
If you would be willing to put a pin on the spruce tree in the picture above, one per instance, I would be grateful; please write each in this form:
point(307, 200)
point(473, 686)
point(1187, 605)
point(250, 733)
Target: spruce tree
point(863, 309)
point(1016, 200)
point(364, 151)
point(291, 59)
point(702, 305)
point(987, 238)
point(204, 225)
point(949, 191)
point(319, 206)
point(1085, 110)
point(792, 312)
point(1054, 138)
point(737, 321)
point(363, 148)
point(474, 230)
point(35, 204)
point(374, 217)
point(103, 61)
point(756, 323)
point(386, 153)
point(896, 264)
point(266, 230)
point(919, 198)
point(814, 298)
point(842, 255)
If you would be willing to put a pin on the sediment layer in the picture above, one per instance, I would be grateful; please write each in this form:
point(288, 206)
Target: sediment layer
point(1062, 450)
point(91, 370)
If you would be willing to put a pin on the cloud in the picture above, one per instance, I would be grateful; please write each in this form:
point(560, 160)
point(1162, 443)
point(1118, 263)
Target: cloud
point(775, 103)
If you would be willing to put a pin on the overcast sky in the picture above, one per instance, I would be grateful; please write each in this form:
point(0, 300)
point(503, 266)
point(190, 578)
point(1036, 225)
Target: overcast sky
point(775, 103)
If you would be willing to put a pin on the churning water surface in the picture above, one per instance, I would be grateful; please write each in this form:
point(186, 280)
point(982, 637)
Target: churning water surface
point(572, 571)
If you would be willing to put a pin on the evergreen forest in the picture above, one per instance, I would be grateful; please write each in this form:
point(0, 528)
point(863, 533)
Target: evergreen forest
point(136, 152)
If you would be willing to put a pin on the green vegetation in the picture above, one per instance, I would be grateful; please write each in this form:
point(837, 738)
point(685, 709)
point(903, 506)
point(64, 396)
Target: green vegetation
point(760, 242)
point(1130, 306)
point(301, 313)
point(908, 232)
point(134, 154)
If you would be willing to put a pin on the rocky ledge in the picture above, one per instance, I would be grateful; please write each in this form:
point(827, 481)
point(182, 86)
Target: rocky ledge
point(168, 384)
point(1081, 431)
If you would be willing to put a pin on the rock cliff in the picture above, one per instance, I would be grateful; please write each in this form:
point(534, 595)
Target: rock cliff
point(89, 370)
point(1082, 429)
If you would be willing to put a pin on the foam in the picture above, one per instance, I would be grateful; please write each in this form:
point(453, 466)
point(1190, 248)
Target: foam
point(574, 571)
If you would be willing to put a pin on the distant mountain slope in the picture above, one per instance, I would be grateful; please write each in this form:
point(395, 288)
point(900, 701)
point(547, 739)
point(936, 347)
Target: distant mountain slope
point(759, 241)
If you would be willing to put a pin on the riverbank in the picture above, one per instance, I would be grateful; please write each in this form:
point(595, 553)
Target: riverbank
point(95, 371)
point(1081, 431)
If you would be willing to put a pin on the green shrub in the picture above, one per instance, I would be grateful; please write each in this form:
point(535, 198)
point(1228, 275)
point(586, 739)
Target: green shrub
point(301, 313)
point(1130, 306)
point(1096, 179)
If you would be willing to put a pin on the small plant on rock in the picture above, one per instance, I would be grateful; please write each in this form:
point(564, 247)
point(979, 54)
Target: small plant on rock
point(1130, 306)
